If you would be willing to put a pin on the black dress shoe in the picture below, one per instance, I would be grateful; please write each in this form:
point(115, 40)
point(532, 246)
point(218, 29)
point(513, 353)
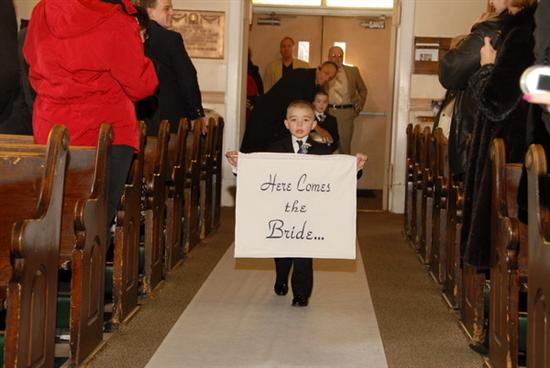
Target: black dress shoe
point(300, 301)
point(281, 289)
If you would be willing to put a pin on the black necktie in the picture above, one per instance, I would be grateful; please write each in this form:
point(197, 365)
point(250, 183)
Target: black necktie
point(301, 147)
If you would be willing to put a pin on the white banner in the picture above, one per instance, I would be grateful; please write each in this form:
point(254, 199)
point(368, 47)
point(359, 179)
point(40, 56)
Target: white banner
point(291, 205)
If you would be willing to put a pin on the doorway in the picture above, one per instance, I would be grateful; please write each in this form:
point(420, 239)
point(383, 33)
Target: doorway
point(369, 49)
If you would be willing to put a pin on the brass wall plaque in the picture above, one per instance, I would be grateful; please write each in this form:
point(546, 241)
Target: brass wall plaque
point(202, 31)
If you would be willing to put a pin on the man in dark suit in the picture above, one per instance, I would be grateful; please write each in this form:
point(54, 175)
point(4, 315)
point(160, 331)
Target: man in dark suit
point(266, 119)
point(178, 94)
point(9, 73)
point(300, 121)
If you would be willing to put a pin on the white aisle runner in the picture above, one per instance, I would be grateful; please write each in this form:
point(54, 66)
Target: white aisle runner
point(236, 320)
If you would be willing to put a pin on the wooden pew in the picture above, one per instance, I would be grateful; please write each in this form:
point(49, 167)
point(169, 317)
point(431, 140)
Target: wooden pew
point(83, 239)
point(440, 207)
point(412, 196)
point(154, 178)
point(192, 188)
point(428, 186)
point(126, 242)
point(217, 173)
point(472, 312)
point(508, 260)
point(31, 197)
point(450, 246)
point(538, 350)
point(409, 164)
point(175, 195)
point(421, 163)
point(206, 178)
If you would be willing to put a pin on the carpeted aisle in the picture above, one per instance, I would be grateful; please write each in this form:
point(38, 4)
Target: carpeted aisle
point(235, 320)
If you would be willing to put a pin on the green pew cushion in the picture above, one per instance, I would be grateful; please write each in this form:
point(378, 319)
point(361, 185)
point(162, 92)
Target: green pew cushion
point(63, 311)
point(522, 343)
point(109, 282)
point(1, 350)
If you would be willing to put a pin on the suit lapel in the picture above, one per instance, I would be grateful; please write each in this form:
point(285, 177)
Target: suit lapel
point(288, 145)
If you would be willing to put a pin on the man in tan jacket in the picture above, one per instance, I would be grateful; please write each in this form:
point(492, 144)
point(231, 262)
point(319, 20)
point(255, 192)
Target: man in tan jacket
point(347, 96)
point(280, 67)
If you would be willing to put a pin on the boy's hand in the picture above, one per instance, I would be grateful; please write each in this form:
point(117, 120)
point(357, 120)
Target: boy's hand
point(361, 159)
point(232, 157)
point(324, 134)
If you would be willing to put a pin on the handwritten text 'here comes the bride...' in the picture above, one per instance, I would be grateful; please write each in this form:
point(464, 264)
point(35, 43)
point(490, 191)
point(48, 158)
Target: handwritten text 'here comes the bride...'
point(292, 205)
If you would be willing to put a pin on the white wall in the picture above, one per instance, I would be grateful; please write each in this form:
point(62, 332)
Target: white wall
point(227, 75)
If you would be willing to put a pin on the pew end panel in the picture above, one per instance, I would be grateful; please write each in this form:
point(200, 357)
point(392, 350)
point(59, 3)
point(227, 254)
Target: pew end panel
point(30, 227)
point(192, 189)
point(206, 177)
point(86, 211)
point(217, 173)
point(126, 242)
point(154, 176)
point(175, 196)
point(538, 348)
point(508, 243)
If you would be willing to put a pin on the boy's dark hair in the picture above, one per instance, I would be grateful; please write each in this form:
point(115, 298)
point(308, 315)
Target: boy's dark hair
point(147, 3)
point(321, 92)
point(300, 104)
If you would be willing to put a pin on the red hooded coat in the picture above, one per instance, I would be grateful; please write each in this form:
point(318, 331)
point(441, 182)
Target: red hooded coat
point(87, 67)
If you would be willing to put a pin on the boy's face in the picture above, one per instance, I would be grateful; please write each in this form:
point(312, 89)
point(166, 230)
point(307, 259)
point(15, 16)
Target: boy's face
point(300, 121)
point(320, 103)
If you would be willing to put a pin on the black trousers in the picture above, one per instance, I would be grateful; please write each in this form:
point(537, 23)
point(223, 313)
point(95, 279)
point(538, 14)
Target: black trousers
point(120, 159)
point(302, 274)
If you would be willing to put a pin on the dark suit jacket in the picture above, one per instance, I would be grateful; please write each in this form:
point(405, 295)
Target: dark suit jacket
point(284, 145)
point(178, 94)
point(9, 73)
point(266, 123)
point(331, 125)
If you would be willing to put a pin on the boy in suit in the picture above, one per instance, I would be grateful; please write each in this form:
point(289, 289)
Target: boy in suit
point(327, 126)
point(300, 121)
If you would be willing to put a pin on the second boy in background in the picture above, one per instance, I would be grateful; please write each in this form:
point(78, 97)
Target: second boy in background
point(327, 126)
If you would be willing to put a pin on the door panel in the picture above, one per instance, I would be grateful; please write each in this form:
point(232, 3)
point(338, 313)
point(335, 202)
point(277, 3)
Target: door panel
point(368, 49)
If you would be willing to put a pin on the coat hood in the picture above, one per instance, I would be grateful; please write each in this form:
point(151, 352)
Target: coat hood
point(70, 18)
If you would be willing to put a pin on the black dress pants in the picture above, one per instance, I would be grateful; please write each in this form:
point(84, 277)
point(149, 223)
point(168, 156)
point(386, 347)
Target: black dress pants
point(302, 274)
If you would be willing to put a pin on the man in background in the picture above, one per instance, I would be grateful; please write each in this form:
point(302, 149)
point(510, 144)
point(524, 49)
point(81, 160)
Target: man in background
point(266, 125)
point(347, 96)
point(281, 67)
point(179, 94)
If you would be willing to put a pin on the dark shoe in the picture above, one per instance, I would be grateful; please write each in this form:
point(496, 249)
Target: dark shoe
point(300, 301)
point(281, 289)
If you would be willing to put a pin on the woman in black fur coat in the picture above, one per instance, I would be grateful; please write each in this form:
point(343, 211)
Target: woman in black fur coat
point(502, 113)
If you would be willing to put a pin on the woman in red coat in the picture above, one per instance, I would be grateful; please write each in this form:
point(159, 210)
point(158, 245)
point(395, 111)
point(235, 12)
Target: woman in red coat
point(87, 66)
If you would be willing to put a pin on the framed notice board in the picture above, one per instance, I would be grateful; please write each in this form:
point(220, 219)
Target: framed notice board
point(427, 53)
point(202, 31)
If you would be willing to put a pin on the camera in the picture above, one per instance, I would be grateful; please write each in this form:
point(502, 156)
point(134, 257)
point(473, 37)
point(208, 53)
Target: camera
point(535, 79)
